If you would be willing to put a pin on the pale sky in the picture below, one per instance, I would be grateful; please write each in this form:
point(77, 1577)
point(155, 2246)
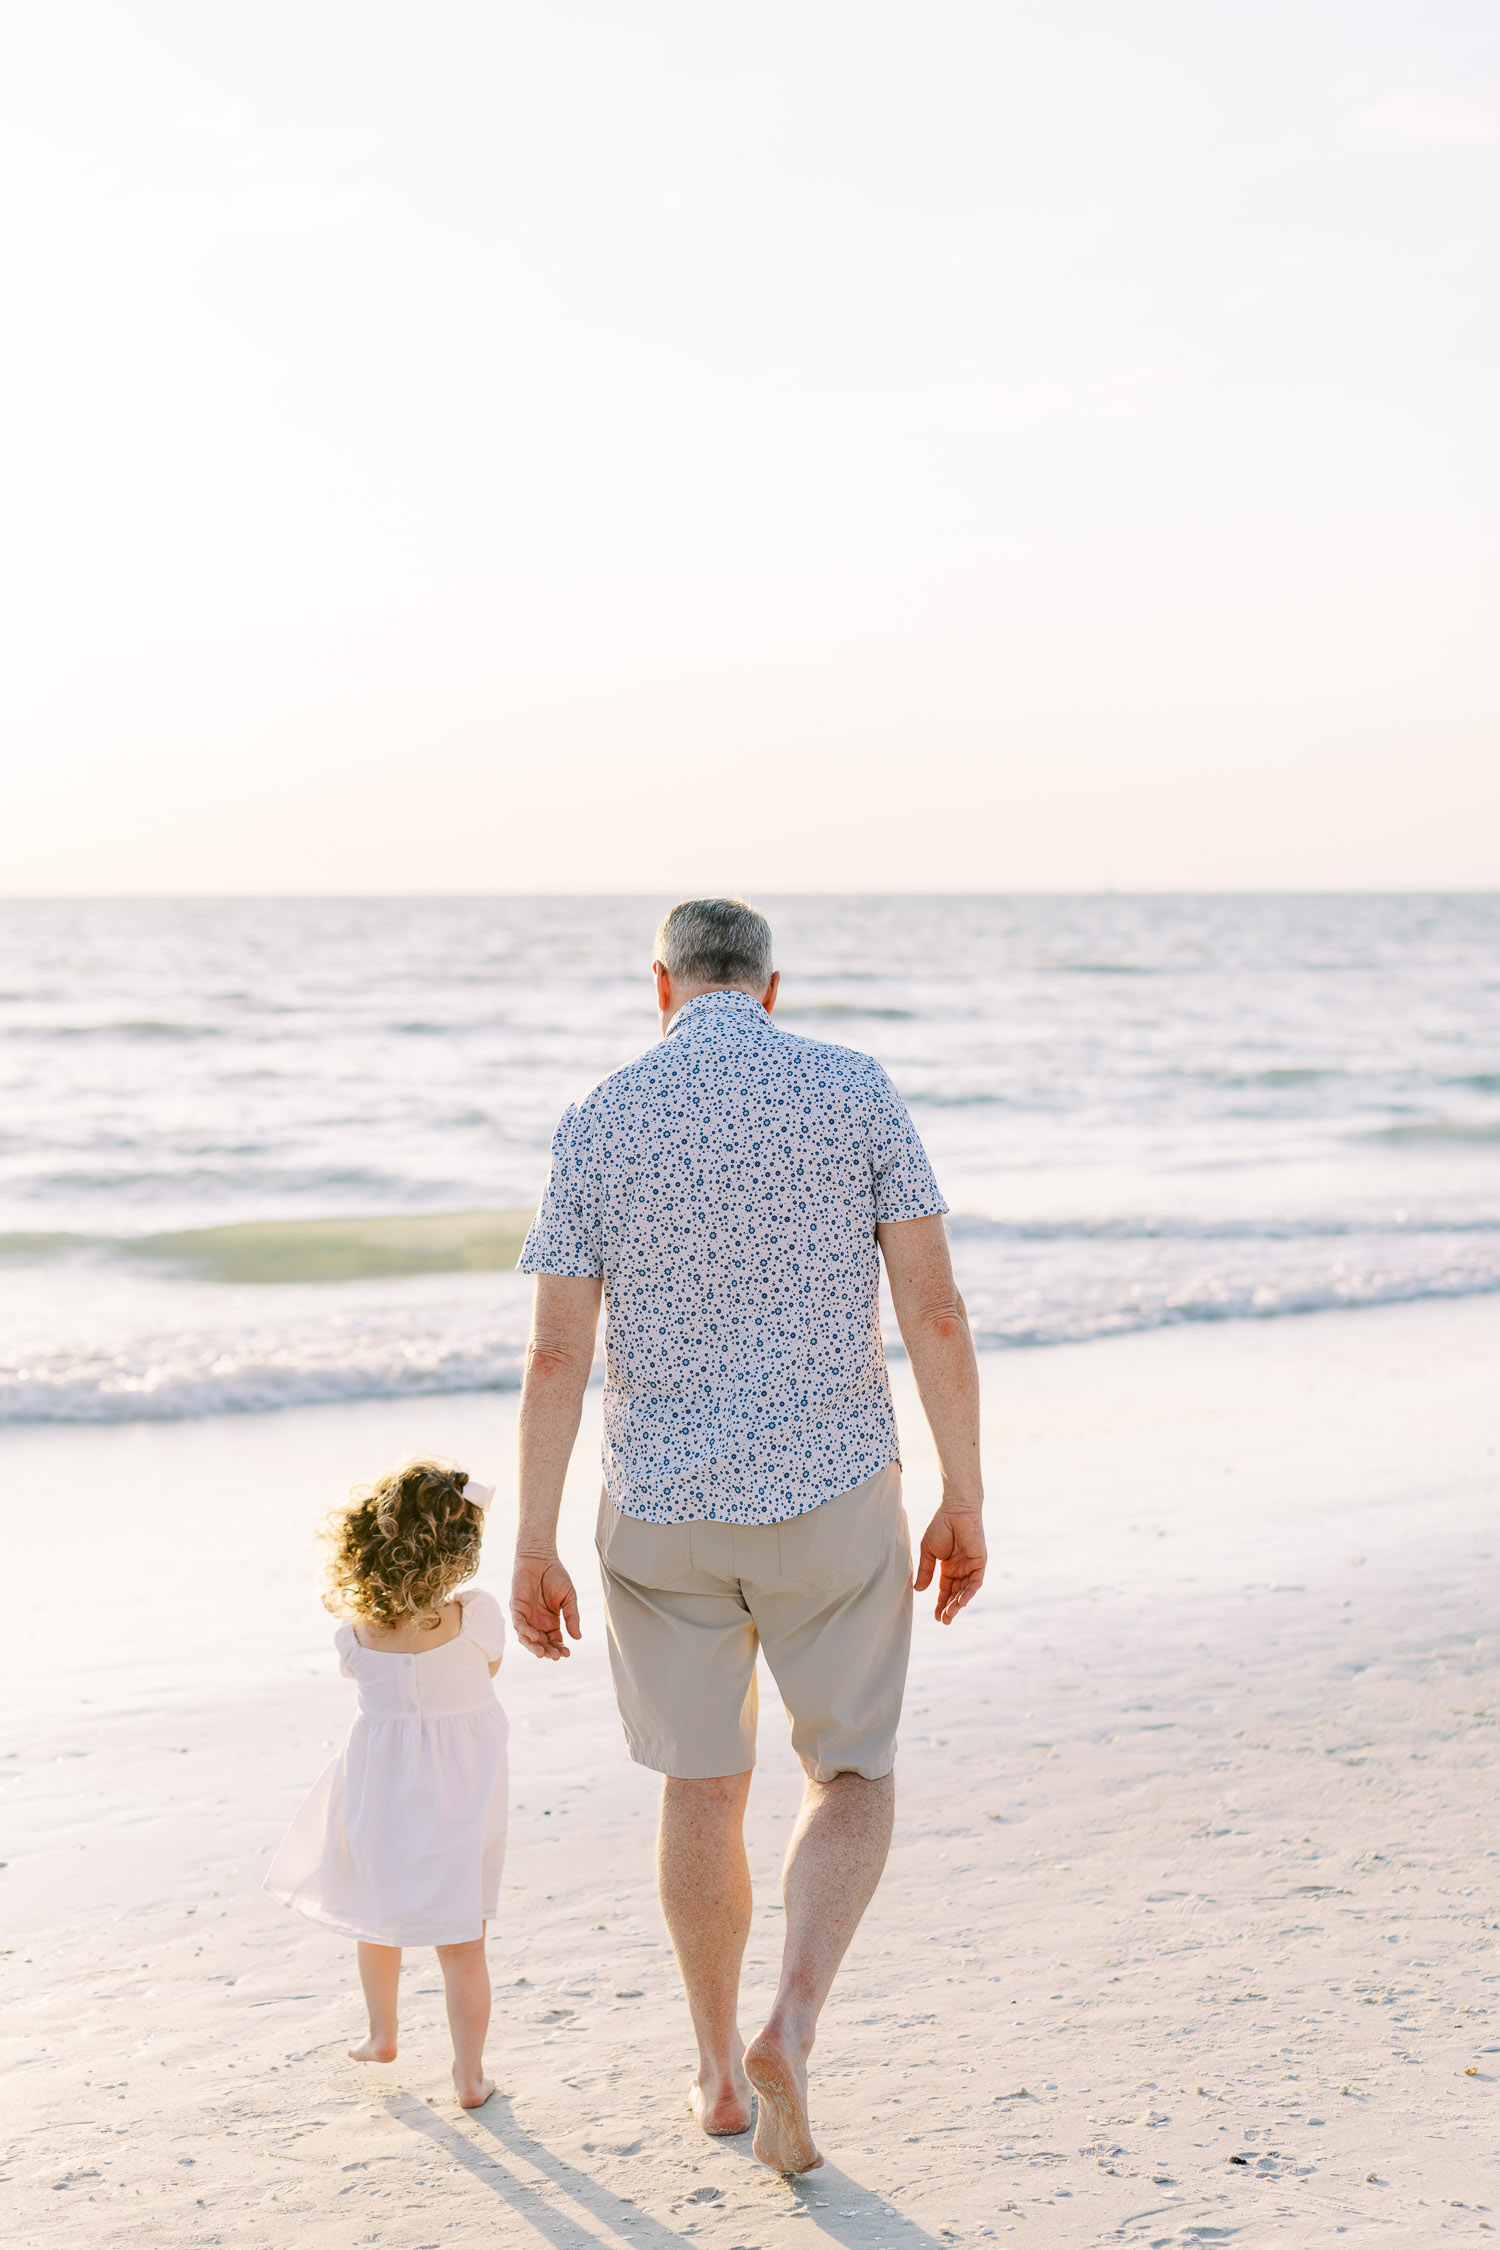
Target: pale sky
point(798, 444)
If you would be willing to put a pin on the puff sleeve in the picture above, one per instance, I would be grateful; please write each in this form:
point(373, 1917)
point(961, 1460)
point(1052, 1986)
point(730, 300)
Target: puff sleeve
point(483, 1623)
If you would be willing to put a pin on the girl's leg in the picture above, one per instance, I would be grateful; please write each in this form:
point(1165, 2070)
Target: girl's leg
point(466, 1981)
point(379, 1973)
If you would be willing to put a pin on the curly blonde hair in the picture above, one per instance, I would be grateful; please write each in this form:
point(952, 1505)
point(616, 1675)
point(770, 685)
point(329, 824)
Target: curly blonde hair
point(400, 1548)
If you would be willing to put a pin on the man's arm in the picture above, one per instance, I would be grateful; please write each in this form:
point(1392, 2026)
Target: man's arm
point(559, 1355)
point(935, 1330)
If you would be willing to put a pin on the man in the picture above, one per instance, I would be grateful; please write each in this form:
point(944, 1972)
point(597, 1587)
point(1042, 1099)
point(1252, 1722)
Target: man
point(727, 1193)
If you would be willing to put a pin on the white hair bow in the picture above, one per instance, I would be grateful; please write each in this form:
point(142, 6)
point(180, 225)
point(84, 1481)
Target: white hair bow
point(480, 1494)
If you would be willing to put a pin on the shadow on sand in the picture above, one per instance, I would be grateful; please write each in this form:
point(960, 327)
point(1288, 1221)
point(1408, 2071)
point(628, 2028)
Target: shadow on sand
point(844, 2211)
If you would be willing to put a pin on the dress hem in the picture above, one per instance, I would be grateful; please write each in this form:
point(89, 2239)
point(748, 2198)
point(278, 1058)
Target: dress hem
point(345, 1929)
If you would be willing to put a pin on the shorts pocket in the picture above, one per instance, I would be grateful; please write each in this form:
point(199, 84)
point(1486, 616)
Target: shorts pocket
point(847, 1541)
point(654, 1555)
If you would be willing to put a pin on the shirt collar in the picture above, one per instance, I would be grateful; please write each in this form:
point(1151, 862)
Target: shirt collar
point(719, 1003)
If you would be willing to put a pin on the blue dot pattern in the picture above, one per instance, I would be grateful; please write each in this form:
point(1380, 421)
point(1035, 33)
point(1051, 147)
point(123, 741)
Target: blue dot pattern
point(727, 1187)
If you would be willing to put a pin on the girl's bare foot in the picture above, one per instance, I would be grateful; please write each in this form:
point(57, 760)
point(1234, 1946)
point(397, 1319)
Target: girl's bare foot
point(373, 2050)
point(472, 2093)
point(778, 2072)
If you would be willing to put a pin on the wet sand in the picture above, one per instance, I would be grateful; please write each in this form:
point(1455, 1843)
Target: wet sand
point(1188, 1936)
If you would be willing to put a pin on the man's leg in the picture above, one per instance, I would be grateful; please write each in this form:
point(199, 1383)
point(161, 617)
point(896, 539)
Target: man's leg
point(832, 1606)
point(705, 1896)
point(837, 1851)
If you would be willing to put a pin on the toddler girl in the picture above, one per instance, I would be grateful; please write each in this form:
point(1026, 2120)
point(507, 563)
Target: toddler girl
point(402, 1840)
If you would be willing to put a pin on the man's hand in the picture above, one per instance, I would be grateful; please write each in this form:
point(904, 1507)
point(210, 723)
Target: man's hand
point(953, 1545)
point(542, 1601)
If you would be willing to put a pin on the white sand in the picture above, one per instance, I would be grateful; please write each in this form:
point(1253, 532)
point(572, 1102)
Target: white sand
point(1196, 1854)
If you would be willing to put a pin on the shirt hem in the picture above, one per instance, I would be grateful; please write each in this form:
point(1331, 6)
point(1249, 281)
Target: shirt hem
point(794, 1504)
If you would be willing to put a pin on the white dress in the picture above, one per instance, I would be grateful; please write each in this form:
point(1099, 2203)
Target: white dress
point(402, 1840)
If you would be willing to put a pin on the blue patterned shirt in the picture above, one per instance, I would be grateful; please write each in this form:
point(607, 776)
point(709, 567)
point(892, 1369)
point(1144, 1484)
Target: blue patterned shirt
point(727, 1187)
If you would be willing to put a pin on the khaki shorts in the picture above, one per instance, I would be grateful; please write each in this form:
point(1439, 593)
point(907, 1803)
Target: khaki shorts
point(827, 1595)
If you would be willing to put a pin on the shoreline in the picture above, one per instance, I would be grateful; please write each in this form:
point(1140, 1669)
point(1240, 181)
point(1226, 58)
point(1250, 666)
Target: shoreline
point(1192, 1853)
point(509, 1385)
point(273, 1316)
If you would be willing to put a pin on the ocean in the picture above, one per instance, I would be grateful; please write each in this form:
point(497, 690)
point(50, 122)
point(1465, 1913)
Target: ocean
point(263, 1153)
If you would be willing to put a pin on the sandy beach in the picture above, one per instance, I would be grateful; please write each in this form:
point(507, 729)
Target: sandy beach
point(1188, 1934)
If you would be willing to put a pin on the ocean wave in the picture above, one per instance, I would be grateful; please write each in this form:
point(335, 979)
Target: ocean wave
point(246, 1175)
point(395, 1340)
point(269, 1251)
point(917, 1098)
point(38, 1249)
point(822, 1010)
point(977, 1227)
point(355, 1249)
point(186, 1381)
point(1278, 1077)
point(1095, 969)
point(389, 1245)
point(1449, 1131)
point(1210, 1299)
point(142, 1027)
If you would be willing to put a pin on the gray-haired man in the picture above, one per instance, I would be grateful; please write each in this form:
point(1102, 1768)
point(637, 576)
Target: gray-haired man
point(727, 1194)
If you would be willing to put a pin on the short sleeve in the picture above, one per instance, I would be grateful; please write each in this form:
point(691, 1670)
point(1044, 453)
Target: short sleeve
point(347, 1646)
point(483, 1623)
point(565, 1236)
point(905, 1185)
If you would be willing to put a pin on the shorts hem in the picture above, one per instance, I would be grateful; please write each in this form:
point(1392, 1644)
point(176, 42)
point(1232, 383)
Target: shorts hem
point(662, 1763)
point(812, 1769)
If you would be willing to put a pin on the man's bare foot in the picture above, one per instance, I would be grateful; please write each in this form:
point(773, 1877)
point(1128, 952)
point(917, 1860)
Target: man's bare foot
point(373, 2050)
point(726, 2109)
point(779, 2075)
point(472, 2093)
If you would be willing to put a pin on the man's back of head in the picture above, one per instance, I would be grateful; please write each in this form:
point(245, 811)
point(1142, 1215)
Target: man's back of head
point(710, 943)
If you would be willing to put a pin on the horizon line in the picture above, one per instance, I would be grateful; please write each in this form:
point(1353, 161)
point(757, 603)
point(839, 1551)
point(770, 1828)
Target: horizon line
point(1089, 891)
